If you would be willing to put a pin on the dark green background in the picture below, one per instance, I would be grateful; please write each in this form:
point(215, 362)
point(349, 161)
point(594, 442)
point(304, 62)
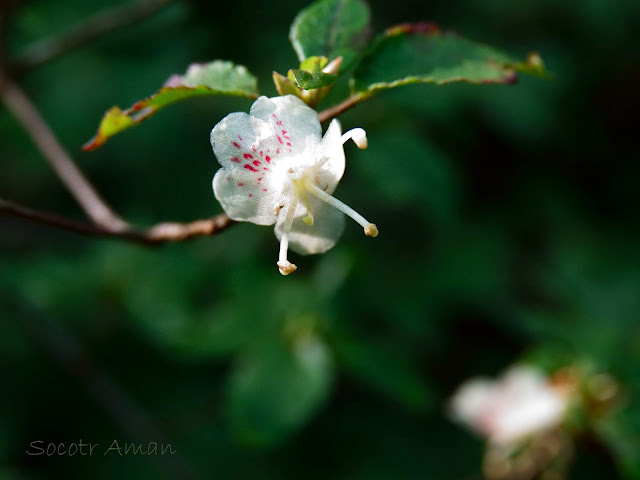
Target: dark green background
point(509, 227)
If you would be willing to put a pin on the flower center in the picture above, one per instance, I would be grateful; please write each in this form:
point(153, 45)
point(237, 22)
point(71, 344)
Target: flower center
point(304, 184)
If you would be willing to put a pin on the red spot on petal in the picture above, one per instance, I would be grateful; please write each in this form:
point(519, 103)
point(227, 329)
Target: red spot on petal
point(279, 122)
point(249, 167)
point(247, 155)
point(273, 115)
point(240, 184)
point(250, 195)
point(265, 168)
point(289, 144)
point(260, 179)
point(239, 138)
point(253, 147)
point(280, 139)
point(261, 153)
point(236, 144)
point(278, 152)
point(264, 189)
point(284, 132)
point(257, 162)
point(267, 158)
point(235, 159)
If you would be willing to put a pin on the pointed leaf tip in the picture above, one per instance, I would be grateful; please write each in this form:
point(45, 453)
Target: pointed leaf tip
point(423, 53)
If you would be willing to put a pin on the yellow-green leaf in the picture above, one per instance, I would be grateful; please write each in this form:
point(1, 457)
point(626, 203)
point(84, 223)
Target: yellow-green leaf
point(214, 78)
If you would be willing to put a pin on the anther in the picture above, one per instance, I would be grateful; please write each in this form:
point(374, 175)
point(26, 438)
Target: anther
point(371, 230)
point(359, 137)
point(286, 267)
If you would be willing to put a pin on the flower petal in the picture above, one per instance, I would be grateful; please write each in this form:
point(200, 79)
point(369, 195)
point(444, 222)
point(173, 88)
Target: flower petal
point(247, 198)
point(296, 124)
point(238, 138)
point(331, 172)
point(318, 238)
point(249, 187)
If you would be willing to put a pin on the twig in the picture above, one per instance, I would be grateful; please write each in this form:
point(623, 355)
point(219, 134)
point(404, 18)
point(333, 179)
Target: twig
point(340, 108)
point(100, 24)
point(63, 223)
point(84, 193)
point(161, 233)
point(106, 222)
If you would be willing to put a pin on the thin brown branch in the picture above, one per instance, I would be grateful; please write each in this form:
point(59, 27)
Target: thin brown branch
point(340, 108)
point(81, 189)
point(178, 232)
point(54, 220)
point(100, 24)
point(161, 233)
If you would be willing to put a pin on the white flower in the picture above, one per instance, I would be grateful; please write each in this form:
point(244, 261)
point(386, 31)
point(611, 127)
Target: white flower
point(277, 168)
point(519, 404)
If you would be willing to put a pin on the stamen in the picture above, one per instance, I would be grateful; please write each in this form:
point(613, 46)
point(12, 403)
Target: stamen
point(316, 166)
point(359, 137)
point(370, 229)
point(284, 265)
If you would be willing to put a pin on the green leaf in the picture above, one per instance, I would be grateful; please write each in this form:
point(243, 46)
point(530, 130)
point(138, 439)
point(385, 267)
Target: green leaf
point(621, 434)
point(331, 28)
point(314, 64)
point(422, 53)
point(214, 78)
point(385, 369)
point(311, 81)
point(274, 390)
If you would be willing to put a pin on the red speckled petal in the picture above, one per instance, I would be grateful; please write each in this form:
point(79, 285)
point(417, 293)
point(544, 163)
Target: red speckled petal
point(296, 124)
point(247, 197)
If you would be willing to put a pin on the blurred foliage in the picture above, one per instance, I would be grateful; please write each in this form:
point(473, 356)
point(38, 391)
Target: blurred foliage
point(509, 226)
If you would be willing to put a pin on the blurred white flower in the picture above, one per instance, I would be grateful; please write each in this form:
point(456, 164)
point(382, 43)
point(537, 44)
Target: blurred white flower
point(519, 404)
point(277, 168)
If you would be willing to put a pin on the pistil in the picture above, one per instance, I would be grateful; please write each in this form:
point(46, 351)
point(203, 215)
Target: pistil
point(298, 184)
point(284, 265)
